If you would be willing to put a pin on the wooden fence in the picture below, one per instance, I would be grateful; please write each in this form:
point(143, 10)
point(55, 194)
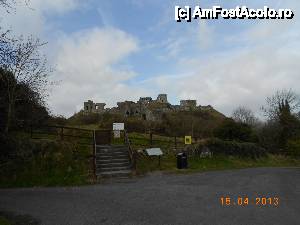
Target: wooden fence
point(153, 139)
point(82, 136)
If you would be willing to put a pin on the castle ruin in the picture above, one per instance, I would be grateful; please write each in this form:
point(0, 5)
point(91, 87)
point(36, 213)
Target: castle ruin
point(145, 107)
point(91, 107)
point(188, 104)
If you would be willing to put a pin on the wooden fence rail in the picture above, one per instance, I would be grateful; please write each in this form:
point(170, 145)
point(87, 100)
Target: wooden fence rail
point(63, 132)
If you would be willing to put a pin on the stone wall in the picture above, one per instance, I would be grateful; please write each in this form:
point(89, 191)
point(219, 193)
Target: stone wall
point(188, 104)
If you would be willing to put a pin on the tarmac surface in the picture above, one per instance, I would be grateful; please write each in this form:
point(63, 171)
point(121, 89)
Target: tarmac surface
point(167, 199)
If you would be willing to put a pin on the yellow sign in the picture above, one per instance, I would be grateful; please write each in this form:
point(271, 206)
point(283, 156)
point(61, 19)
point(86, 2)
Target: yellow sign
point(188, 140)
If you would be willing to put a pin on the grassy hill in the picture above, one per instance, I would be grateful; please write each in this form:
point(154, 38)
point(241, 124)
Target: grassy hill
point(199, 123)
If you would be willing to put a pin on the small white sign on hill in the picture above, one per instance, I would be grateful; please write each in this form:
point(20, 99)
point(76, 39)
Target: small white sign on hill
point(118, 126)
point(154, 151)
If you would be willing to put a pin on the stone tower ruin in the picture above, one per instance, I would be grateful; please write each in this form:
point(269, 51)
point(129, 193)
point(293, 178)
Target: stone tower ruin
point(162, 98)
point(91, 107)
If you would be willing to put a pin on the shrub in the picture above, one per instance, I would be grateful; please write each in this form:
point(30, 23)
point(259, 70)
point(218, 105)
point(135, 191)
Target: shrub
point(46, 163)
point(230, 130)
point(245, 149)
point(293, 148)
point(269, 136)
point(17, 147)
point(7, 147)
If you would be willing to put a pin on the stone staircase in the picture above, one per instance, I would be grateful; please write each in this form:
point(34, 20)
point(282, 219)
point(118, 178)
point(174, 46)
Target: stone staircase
point(112, 161)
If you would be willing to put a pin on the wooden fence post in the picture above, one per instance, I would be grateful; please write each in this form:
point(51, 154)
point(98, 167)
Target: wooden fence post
point(175, 142)
point(124, 133)
point(151, 139)
point(94, 156)
point(31, 132)
point(62, 133)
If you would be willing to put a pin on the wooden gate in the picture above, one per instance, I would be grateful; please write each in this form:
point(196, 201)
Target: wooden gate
point(103, 137)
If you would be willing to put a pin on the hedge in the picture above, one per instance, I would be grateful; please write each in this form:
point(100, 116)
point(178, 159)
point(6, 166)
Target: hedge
point(234, 148)
point(293, 148)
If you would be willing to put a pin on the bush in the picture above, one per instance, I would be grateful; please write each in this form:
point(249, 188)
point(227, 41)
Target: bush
point(17, 147)
point(275, 137)
point(230, 130)
point(245, 149)
point(269, 136)
point(7, 147)
point(293, 148)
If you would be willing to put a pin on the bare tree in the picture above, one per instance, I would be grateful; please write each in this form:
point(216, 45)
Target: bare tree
point(9, 5)
point(22, 62)
point(273, 108)
point(244, 115)
point(22, 59)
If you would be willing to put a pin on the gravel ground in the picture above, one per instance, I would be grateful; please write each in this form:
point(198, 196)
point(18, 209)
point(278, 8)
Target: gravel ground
point(165, 199)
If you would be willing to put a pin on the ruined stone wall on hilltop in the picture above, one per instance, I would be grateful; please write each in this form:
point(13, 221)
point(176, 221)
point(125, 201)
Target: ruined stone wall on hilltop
point(145, 108)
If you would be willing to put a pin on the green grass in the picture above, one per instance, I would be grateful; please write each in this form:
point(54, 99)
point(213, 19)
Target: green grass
point(55, 163)
point(11, 218)
point(142, 141)
point(219, 162)
point(229, 162)
point(67, 163)
point(4, 221)
point(146, 164)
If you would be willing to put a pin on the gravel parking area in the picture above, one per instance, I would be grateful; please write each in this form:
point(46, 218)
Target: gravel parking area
point(166, 199)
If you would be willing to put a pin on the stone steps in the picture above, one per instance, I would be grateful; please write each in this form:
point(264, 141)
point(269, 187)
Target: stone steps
point(112, 161)
point(115, 168)
point(112, 153)
point(113, 164)
point(111, 157)
point(112, 174)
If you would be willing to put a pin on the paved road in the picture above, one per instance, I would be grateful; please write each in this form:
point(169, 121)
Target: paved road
point(165, 200)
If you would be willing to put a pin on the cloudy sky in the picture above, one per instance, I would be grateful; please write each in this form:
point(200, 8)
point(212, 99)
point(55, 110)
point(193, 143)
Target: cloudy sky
point(115, 50)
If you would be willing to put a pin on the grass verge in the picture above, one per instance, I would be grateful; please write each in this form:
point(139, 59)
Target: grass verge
point(218, 162)
point(4, 221)
point(47, 163)
point(10, 218)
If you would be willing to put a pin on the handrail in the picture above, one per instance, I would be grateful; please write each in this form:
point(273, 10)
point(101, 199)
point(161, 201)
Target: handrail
point(94, 155)
point(130, 150)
